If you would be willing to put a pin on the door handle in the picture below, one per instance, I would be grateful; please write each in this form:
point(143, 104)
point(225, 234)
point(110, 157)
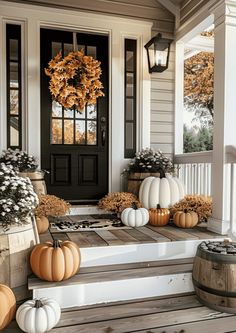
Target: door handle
point(103, 137)
point(103, 130)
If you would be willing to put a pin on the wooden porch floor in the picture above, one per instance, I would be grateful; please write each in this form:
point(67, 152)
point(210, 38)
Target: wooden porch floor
point(142, 235)
point(177, 314)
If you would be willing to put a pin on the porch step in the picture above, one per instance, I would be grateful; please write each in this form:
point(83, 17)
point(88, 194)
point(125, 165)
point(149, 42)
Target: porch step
point(102, 284)
point(179, 313)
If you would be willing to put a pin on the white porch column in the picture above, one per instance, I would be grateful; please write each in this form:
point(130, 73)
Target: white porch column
point(225, 110)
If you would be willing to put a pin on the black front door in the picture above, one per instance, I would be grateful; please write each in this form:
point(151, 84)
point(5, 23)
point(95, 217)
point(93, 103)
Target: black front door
point(74, 145)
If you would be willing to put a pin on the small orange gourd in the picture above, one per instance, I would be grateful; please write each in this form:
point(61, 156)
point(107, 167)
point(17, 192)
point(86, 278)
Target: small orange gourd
point(185, 219)
point(42, 224)
point(159, 216)
point(7, 306)
point(55, 261)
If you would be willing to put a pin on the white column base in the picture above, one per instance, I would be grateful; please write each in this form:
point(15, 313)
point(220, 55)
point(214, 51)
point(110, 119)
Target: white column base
point(219, 226)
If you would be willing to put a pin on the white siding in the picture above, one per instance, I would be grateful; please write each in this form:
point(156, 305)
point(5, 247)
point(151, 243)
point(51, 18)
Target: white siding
point(190, 7)
point(162, 109)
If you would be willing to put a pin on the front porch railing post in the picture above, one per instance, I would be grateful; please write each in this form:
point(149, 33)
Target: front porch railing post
point(224, 111)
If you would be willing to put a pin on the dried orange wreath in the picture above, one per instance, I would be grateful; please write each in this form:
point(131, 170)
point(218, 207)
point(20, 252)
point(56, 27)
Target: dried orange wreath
point(74, 79)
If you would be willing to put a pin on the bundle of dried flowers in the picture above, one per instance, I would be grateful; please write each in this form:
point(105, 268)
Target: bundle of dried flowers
point(50, 205)
point(118, 201)
point(200, 204)
point(74, 79)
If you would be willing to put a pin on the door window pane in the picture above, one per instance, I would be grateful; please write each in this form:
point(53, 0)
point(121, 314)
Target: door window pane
point(80, 114)
point(14, 101)
point(129, 136)
point(129, 109)
point(80, 132)
point(92, 111)
point(56, 131)
point(92, 133)
point(67, 49)
point(68, 113)
point(14, 78)
point(14, 131)
point(14, 47)
point(56, 48)
point(129, 84)
point(68, 131)
point(56, 109)
point(92, 51)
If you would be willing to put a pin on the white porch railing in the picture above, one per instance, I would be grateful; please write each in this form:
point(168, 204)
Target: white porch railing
point(194, 169)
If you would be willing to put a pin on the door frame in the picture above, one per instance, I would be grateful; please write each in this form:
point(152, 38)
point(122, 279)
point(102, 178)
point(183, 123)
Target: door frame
point(33, 18)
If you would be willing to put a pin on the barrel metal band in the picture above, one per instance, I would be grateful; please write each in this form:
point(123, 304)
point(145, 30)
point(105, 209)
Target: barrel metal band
point(214, 291)
point(216, 257)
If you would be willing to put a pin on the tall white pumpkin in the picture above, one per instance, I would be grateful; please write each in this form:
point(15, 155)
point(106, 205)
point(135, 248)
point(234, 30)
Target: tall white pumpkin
point(163, 191)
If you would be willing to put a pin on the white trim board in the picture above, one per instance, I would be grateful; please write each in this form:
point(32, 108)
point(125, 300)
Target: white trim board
point(120, 290)
point(35, 17)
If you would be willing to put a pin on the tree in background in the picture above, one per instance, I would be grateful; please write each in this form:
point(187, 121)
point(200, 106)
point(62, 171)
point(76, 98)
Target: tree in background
point(198, 97)
point(199, 84)
point(201, 140)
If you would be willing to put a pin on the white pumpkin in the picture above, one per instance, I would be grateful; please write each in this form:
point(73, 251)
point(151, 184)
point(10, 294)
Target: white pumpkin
point(163, 191)
point(135, 217)
point(38, 316)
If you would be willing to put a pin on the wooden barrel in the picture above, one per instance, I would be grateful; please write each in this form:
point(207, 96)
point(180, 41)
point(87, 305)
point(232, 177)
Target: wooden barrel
point(135, 179)
point(214, 275)
point(37, 180)
point(15, 248)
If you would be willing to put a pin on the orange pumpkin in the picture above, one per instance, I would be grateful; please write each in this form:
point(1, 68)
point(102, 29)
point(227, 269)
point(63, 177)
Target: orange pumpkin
point(55, 261)
point(159, 216)
point(7, 306)
point(185, 219)
point(42, 224)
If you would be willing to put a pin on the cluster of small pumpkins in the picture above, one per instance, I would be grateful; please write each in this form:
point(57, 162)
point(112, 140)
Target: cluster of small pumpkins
point(156, 195)
point(158, 217)
point(51, 261)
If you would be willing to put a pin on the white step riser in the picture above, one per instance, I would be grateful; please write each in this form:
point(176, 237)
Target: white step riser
point(112, 255)
point(86, 210)
point(114, 291)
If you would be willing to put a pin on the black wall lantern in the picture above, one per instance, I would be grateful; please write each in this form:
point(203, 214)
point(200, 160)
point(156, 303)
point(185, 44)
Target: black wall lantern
point(158, 51)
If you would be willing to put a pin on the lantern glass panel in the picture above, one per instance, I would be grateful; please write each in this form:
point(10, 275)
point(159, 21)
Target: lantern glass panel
point(161, 57)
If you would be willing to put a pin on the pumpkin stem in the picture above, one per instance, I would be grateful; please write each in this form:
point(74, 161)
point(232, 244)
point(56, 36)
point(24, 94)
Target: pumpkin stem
point(56, 243)
point(134, 206)
point(162, 173)
point(38, 304)
point(158, 206)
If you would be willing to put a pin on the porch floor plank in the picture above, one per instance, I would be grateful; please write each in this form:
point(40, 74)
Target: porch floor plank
point(154, 235)
point(179, 314)
point(86, 239)
point(109, 238)
point(174, 233)
point(125, 237)
point(140, 236)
